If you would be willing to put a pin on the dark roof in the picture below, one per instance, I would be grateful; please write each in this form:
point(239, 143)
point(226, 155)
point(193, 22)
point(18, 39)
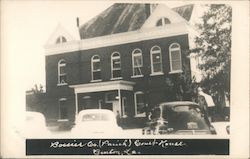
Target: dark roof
point(185, 11)
point(122, 17)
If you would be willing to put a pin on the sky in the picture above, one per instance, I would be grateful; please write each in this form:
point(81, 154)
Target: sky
point(27, 26)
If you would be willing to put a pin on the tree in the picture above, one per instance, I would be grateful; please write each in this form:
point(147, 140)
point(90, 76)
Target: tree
point(37, 90)
point(214, 47)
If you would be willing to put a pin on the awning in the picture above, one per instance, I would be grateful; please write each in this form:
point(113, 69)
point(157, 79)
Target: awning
point(103, 86)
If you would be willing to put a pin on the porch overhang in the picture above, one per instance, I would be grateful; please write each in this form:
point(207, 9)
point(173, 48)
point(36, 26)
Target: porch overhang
point(103, 86)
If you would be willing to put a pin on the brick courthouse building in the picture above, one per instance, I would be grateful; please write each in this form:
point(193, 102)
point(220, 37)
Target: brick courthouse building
point(127, 59)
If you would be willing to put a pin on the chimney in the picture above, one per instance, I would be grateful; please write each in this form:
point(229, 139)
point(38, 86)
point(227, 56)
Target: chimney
point(148, 9)
point(77, 22)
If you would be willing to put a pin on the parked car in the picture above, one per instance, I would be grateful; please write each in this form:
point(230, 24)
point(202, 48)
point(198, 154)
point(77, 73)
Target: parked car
point(96, 122)
point(35, 125)
point(181, 117)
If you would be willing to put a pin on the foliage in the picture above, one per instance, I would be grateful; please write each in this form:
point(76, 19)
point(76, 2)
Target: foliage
point(214, 47)
point(36, 89)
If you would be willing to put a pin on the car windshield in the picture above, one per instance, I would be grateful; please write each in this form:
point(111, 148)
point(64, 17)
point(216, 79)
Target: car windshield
point(96, 117)
point(185, 117)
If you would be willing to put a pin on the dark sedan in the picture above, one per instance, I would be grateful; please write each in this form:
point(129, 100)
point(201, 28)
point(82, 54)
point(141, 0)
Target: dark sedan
point(181, 117)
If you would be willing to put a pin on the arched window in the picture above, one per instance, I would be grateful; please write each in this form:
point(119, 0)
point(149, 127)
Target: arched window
point(163, 21)
point(62, 76)
point(175, 58)
point(137, 62)
point(156, 60)
point(61, 39)
point(115, 65)
point(96, 67)
point(139, 104)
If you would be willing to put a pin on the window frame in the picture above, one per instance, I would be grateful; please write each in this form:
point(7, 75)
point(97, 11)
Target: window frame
point(59, 74)
point(92, 68)
point(170, 58)
point(135, 101)
point(151, 60)
point(133, 60)
point(115, 69)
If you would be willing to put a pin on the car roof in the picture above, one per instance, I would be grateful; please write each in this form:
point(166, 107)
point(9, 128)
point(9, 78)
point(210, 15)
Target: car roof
point(88, 111)
point(178, 103)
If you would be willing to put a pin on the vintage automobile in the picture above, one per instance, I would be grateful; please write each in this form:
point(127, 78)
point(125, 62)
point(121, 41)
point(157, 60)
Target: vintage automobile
point(35, 125)
point(96, 122)
point(180, 117)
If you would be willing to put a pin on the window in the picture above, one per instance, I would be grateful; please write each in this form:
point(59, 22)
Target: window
point(115, 65)
point(139, 104)
point(156, 60)
point(62, 78)
point(61, 39)
point(110, 97)
point(124, 107)
point(175, 58)
point(163, 21)
point(137, 62)
point(96, 68)
point(63, 110)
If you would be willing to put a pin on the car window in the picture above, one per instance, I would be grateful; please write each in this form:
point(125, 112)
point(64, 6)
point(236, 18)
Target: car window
point(156, 113)
point(95, 117)
point(186, 118)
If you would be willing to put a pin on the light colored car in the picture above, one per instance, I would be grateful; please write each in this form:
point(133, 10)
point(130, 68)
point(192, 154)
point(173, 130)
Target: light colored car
point(222, 128)
point(96, 122)
point(35, 125)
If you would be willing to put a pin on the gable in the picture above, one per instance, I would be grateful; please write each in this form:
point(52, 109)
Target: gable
point(60, 35)
point(164, 13)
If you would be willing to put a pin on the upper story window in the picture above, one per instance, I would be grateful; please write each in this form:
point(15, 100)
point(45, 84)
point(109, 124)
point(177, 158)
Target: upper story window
point(137, 62)
point(163, 21)
point(175, 58)
point(62, 76)
point(156, 60)
point(115, 65)
point(61, 39)
point(96, 68)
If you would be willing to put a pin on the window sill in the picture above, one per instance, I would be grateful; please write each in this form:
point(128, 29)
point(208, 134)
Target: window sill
point(62, 120)
point(137, 76)
point(62, 84)
point(96, 80)
point(117, 78)
point(140, 116)
point(156, 74)
point(178, 71)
